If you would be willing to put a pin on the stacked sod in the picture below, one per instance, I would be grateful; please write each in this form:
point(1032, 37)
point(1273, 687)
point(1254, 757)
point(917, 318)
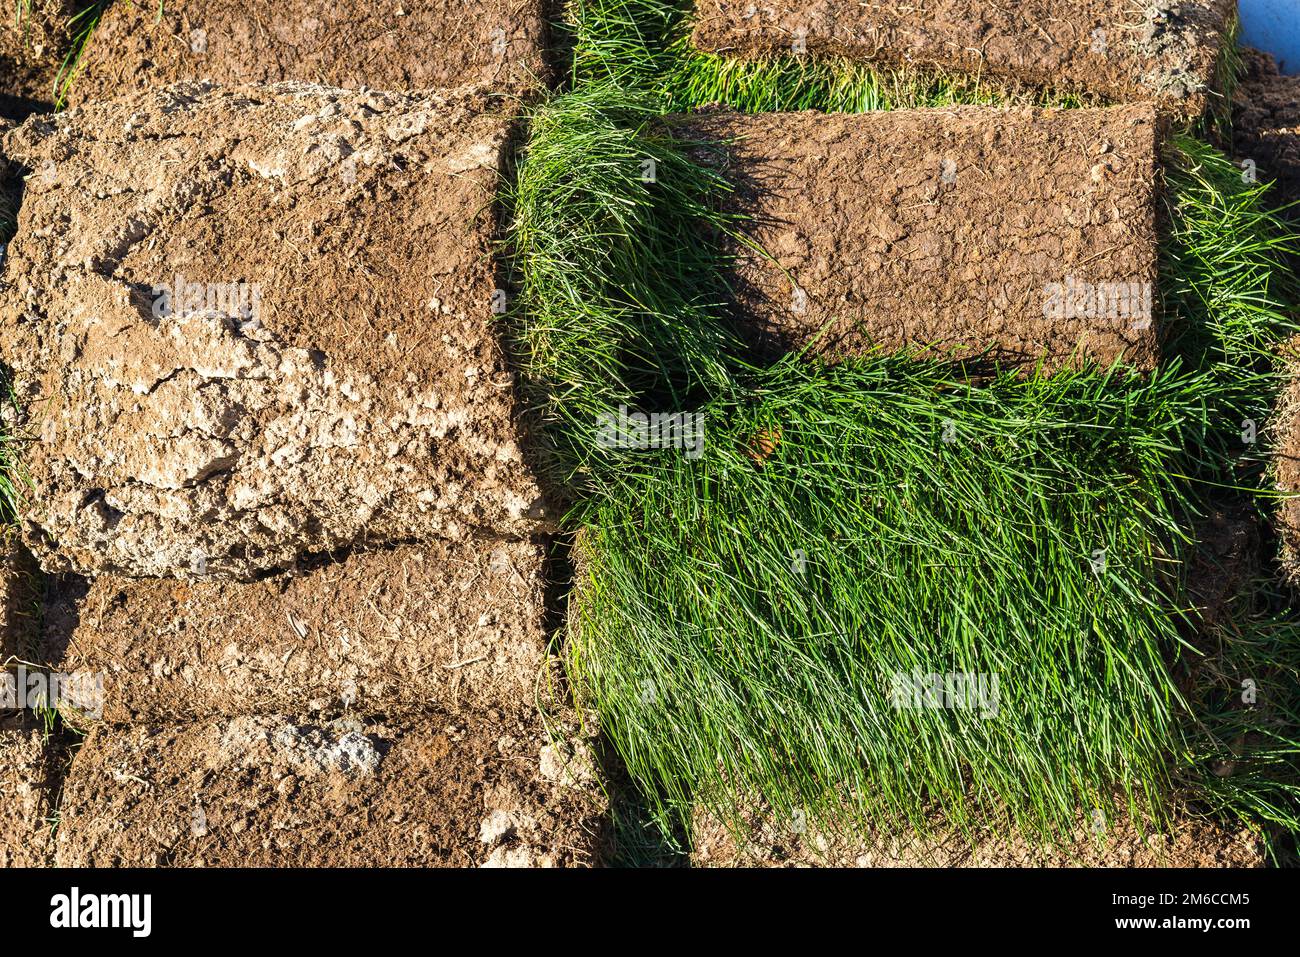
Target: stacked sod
point(738, 621)
point(244, 338)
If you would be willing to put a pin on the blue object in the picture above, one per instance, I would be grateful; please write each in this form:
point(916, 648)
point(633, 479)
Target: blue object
point(1274, 27)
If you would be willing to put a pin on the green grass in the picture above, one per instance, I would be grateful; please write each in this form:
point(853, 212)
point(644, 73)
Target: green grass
point(1240, 736)
point(82, 27)
point(616, 304)
point(1228, 296)
point(742, 622)
point(12, 482)
point(718, 669)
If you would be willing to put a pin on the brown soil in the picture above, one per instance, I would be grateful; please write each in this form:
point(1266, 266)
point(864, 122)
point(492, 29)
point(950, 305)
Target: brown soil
point(24, 90)
point(1191, 842)
point(945, 227)
point(366, 398)
point(1266, 125)
point(26, 796)
point(1284, 438)
point(1166, 50)
point(270, 791)
point(412, 45)
point(32, 48)
point(19, 600)
point(1227, 561)
point(448, 625)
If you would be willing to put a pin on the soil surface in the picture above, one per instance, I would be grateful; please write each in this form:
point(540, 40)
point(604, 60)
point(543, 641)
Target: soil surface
point(331, 372)
point(26, 796)
point(271, 791)
point(1266, 126)
point(1190, 842)
point(1227, 561)
point(19, 600)
point(447, 625)
point(1119, 49)
point(32, 49)
point(390, 45)
point(1285, 440)
point(965, 229)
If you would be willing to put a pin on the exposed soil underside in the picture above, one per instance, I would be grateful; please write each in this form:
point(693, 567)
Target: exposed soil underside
point(1115, 48)
point(952, 228)
point(412, 45)
point(365, 397)
point(450, 625)
point(447, 790)
point(1285, 440)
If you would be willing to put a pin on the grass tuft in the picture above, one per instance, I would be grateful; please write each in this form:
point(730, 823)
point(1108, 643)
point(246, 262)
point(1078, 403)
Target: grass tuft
point(615, 307)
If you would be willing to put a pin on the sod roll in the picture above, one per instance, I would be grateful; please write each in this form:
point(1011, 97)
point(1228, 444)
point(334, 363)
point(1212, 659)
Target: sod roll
point(1022, 234)
point(1286, 469)
point(1266, 128)
point(251, 324)
point(1186, 841)
point(451, 624)
point(416, 45)
point(446, 790)
point(1122, 51)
